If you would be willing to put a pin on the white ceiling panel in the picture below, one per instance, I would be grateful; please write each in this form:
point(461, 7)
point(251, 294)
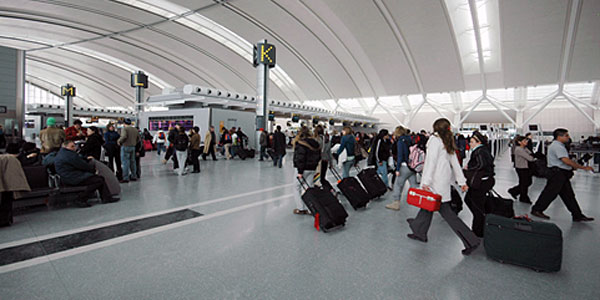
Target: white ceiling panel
point(302, 76)
point(366, 22)
point(194, 4)
point(43, 32)
point(87, 88)
point(532, 36)
point(227, 70)
point(585, 64)
point(304, 42)
point(157, 66)
point(431, 43)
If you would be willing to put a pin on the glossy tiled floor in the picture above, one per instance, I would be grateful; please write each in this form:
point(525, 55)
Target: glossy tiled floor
point(249, 245)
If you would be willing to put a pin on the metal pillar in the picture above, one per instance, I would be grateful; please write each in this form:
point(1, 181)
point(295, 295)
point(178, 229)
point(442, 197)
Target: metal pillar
point(262, 85)
point(264, 59)
point(139, 81)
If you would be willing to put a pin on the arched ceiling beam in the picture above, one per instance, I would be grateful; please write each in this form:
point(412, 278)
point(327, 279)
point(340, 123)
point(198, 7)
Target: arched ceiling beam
point(89, 77)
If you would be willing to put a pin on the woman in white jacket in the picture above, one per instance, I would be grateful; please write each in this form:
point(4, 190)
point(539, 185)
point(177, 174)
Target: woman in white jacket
point(441, 169)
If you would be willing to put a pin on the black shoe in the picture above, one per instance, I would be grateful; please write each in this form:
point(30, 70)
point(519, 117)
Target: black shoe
point(123, 181)
point(132, 179)
point(582, 218)
point(111, 200)
point(469, 250)
point(539, 214)
point(416, 238)
point(194, 172)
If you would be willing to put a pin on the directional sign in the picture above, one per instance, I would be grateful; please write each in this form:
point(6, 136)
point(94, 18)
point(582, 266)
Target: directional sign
point(139, 80)
point(264, 54)
point(67, 90)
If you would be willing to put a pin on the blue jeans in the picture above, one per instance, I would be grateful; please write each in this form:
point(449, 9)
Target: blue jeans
point(347, 165)
point(382, 171)
point(160, 147)
point(405, 174)
point(278, 160)
point(128, 161)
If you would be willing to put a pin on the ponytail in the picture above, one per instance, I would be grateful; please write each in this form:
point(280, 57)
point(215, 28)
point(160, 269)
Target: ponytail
point(444, 131)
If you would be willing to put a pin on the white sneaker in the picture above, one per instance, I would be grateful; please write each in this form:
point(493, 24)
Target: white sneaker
point(394, 205)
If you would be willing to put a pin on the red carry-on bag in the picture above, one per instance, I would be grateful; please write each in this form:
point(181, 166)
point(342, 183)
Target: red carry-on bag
point(424, 199)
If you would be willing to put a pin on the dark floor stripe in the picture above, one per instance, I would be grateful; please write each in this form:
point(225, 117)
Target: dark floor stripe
point(54, 245)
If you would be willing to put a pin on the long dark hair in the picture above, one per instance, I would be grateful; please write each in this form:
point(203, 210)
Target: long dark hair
point(442, 128)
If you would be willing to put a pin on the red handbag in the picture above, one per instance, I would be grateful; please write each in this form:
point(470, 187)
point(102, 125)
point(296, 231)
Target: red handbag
point(424, 199)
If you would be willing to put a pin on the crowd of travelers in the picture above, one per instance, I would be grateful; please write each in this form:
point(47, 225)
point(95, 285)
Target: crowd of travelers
point(436, 162)
point(432, 161)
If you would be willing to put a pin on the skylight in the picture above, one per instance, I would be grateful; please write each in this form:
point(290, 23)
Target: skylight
point(489, 31)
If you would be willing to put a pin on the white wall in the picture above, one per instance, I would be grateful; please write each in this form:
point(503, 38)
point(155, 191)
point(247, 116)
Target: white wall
point(549, 119)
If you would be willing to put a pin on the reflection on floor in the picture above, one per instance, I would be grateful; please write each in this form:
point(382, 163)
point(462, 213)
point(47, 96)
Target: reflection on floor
point(248, 244)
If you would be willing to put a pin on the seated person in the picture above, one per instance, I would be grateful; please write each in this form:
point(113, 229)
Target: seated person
point(76, 171)
point(29, 155)
point(13, 149)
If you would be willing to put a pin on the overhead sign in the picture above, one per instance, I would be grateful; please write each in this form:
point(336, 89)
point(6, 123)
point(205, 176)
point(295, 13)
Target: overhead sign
point(264, 54)
point(139, 80)
point(67, 90)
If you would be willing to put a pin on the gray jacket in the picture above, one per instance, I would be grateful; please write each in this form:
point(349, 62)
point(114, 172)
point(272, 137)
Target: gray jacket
point(522, 157)
point(326, 148)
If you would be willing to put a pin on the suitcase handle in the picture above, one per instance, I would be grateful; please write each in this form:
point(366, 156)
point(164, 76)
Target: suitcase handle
point(303, 183)
point(523, 227)
point(335, 173)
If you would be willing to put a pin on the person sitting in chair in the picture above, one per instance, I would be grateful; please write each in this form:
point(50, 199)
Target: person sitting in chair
point(76, 171)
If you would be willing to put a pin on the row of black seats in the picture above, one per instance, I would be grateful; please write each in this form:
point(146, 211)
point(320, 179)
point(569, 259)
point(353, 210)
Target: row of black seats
point(46, 188)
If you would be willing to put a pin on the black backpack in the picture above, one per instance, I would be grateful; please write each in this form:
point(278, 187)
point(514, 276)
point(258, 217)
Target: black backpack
point(181, 142)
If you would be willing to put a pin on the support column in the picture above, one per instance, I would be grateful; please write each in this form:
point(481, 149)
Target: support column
point(139, 81)
point(264, 59)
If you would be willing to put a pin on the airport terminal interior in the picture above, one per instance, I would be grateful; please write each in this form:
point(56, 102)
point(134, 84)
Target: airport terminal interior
point(299, 149)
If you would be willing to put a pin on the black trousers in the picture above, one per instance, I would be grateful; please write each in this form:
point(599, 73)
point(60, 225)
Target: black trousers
point(211, 152)
point(114, 156)
point(475, 200)
point(323, 171)
point(559, 184)
point(171, 154)
point(138, 168)
point(522, 189)
point(92, 184)
point(194, 157)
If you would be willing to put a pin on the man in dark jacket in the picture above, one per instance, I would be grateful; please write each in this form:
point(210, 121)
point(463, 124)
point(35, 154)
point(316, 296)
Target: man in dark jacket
point(76, 171)
point(279, 146)
point(264, 144)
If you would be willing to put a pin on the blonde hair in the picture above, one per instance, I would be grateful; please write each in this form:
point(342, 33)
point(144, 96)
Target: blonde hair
point(303, 133)
point(399, 131)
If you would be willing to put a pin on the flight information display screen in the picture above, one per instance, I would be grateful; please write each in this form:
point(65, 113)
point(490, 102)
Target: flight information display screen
point(164, 123)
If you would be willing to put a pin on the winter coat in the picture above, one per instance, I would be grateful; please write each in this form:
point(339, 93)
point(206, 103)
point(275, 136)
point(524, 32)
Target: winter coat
point(52, 138)
point(92, 146)
point(441, 169)
point(307, 155)
point(71, 167)
point(279, 144)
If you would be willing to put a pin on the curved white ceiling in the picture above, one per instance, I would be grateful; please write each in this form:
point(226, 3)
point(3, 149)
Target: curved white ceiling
point(332, 49)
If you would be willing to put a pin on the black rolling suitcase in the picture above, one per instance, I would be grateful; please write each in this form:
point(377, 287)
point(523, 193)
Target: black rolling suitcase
point(536, 245)
point(327, 210)
point(372, 183)
point(352, 190)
